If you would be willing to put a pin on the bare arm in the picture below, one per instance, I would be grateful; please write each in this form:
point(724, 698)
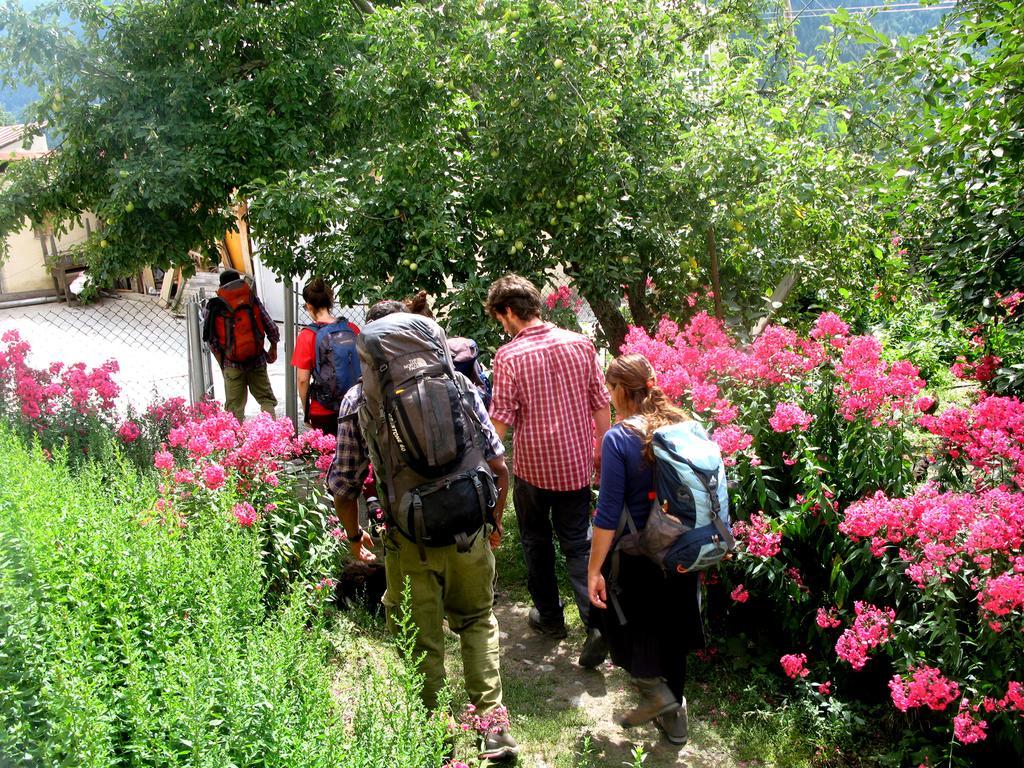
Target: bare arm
point(602, 422)
point(302, 377)
point(348, 514)
point(500, 470)
point(500, 427)
point(599, 547)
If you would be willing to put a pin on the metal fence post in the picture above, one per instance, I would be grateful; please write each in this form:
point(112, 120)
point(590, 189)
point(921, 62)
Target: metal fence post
point(291, 398)
point(194, 344)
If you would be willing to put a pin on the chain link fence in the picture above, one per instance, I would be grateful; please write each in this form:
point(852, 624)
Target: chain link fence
point(148, 342)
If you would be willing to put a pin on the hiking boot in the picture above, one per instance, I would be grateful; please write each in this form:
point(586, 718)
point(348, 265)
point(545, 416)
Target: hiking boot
point(656, 698)
point(675, 725)
point(498, 746)
point(556, 630)
point(595, 649)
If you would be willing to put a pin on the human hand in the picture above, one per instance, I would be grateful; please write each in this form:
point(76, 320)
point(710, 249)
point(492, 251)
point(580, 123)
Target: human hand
point(272, 354)
point(360, 548)
point(596, 589)
point(494, 537)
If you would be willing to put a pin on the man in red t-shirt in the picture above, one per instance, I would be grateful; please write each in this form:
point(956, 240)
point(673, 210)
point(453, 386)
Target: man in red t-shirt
point(548, 387)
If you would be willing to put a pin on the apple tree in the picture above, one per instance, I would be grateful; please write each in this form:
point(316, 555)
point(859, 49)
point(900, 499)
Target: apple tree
point(642, 150)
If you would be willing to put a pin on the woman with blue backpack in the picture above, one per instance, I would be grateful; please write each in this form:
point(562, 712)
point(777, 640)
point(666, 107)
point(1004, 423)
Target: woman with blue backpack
point(325, 358)
point(649, 590)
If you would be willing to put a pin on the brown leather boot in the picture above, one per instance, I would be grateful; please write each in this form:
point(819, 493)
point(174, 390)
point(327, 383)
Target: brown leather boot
point(655, 699)
point(675, 725)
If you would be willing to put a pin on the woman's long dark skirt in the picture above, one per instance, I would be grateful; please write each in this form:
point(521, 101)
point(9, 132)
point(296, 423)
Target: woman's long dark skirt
point(663, 622)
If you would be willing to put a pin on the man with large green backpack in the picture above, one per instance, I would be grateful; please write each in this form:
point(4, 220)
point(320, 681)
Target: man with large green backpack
point(442, 482)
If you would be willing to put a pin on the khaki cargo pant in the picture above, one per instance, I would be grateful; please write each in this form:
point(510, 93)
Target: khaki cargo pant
point(459, 585)
point(238, 384)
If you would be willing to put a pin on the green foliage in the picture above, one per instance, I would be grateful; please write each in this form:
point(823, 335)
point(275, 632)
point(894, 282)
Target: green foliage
point(429, 146)
point(607, 141)
point(150, 644)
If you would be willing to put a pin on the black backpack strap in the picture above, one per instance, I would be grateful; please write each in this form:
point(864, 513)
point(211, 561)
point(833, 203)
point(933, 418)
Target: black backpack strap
point(625, 521)
point(419, 526)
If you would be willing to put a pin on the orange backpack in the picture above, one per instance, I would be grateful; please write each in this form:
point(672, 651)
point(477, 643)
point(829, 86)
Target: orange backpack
point(239, 330)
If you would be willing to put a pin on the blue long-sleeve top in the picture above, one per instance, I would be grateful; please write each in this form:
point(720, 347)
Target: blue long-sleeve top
point(626, 478)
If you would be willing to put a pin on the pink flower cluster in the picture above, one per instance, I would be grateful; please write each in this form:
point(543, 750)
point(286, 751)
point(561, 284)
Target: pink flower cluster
point(794, 665)
point(694, 361)
point(758, 536)
point(740, 594)
point(129, 432)
point(564, 298)
point(732, 440)
point(982, 370)
point(870, 629)
point(244, 514)
point(211, 446)
point(492, 721)
point(969, 729)
point(1011, 302)
point(989, 435)
point(703, 366)
point(1003, 594)
point(43, 394)
point(968, 725)
point(923, 686)
point(940, 534)
point(829, 327)
point(827, 619)
point(788, 416)
point(871, 388)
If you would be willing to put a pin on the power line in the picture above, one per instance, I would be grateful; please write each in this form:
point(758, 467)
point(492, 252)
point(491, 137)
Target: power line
point(911, 7)
point(882, 9)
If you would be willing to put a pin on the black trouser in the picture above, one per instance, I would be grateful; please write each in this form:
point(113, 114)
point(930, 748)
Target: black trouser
point(663, 621)
point(566, 514)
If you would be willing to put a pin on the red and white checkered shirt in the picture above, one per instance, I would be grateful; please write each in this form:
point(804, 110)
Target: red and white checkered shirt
point(547, 385)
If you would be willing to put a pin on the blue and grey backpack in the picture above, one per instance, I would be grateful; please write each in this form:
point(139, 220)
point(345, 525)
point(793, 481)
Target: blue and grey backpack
point(337, 364)
point(688, 528)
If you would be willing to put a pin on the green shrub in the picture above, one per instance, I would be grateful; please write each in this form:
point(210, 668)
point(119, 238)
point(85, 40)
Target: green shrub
point(127, 642)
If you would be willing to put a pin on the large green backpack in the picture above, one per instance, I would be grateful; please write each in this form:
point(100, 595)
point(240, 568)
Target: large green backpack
point(424, 437)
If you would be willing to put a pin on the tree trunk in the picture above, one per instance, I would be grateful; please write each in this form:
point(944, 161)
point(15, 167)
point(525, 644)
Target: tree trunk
point(779, 295)
point(613, 324)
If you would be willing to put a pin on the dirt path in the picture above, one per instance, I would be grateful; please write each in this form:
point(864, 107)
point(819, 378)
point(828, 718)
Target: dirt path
point(542, 674)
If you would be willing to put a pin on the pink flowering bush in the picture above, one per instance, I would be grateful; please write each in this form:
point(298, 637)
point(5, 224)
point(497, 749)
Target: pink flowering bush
point(65, 406)
point(848, 557)
point(808, 423)
point(210, 459)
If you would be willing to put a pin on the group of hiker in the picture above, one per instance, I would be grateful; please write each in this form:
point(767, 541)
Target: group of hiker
point(397, 395)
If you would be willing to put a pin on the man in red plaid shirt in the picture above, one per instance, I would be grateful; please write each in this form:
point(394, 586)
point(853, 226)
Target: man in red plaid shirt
point(548, 387)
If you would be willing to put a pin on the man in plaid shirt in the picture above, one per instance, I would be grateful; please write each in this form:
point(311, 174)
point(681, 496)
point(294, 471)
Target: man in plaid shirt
point(548, 387)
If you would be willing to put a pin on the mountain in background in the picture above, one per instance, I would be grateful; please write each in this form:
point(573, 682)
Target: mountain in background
point(903, 18)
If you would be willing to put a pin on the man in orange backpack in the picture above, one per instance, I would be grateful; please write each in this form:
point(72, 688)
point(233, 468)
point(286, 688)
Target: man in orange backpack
point(237, 326)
